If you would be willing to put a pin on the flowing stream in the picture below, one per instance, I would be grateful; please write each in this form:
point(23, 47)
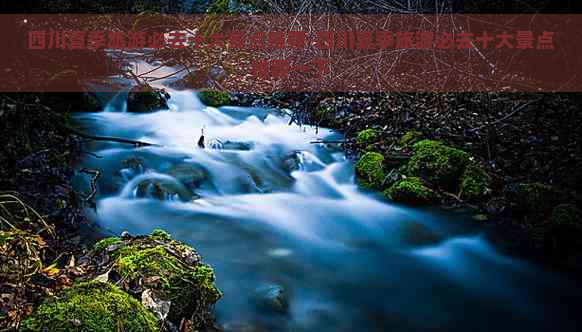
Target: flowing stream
point(270, 209)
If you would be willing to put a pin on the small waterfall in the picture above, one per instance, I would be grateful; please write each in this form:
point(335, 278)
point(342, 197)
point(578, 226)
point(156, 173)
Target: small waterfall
point(265, 206)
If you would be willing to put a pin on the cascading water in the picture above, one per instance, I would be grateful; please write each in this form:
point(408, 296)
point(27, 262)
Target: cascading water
point(265, 206)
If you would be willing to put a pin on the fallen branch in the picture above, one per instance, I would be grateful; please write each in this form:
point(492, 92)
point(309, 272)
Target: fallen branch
point(111, 139)
point(95, 176)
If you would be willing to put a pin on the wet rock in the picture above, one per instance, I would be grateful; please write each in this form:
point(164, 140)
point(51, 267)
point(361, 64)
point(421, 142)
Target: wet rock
point(272, 297)
point(369, 170)
point(144, 98)
point(191, 175)
point(439, 164)
point(163, 272)
point(163, 190)
point(214, 98)
point(412, 191)
point(417, 234)
point(291, 162)
point(87, 307)
point(231, 145)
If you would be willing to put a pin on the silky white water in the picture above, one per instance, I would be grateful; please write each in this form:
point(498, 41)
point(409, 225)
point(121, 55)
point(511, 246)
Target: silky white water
point(270, 207)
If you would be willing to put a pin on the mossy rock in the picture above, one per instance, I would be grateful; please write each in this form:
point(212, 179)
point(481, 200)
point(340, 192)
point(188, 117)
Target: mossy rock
point(417, 234)
point(91, 306)
point(367, 136)
point(370, 171)
point(536, 197)
point(214, 98)
point(410, 138)
point(411, 191)
point(171, 269)
point(144, 98)
point(105, 243)
point(475, 183)
point(438, 163)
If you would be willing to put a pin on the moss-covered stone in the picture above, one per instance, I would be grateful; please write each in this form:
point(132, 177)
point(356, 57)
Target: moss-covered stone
point(214, 98)
point(91, 306)
point(536, 197)
point(106, 242)
point(173, 270)
point(367, 136)
point(475, 183)
point(370, 171)
point(411, 191)
point(144, 98)
point(438, 163)
point(410, 138)
point(160, 234)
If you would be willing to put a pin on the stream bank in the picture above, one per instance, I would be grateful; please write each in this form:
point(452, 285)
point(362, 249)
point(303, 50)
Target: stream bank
point(528, 144)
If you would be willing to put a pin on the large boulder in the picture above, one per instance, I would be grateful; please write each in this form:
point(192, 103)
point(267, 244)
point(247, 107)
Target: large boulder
point(191, 175)
point(214, 98)
point(163, 273)
point(91, 306)
point(271, 297)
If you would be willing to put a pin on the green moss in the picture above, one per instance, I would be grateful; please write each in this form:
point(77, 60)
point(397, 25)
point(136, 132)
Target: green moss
point(369, 170)
point(188, 284)
point(475, 183)
point(536, 197)
point(160, 234)
point(410, 138)
point(214, 98)
point(104, 243)
point(439, 164)
point(367, 136)
point(411, 191)
point(567, 215)
point(91, 306)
